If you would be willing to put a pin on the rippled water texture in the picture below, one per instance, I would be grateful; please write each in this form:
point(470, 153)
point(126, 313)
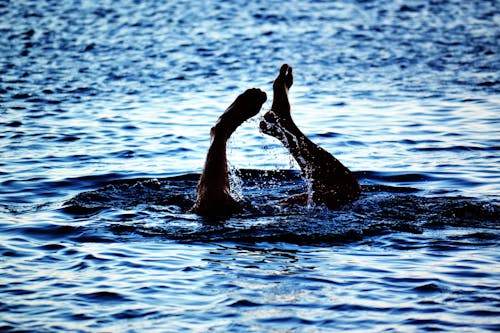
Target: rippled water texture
point(105, 112)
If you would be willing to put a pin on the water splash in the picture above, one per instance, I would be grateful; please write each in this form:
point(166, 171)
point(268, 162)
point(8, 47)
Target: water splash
point(235, 183)
point(380, 210)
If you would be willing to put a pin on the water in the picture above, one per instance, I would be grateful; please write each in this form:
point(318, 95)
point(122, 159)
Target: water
point(105, 113)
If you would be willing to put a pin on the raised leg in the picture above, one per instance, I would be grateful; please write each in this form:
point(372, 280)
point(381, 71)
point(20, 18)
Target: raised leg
point(332, 184)
point(212, 196)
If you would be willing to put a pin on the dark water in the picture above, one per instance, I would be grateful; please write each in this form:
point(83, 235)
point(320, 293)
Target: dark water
point(105, 110)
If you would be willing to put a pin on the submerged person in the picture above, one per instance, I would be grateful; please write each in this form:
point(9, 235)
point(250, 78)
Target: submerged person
point(330, 182)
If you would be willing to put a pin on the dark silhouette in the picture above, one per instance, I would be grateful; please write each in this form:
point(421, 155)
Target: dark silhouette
point(331, 183)
point(212, 196)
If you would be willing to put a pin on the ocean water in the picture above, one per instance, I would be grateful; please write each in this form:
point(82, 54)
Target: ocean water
point(105, 113)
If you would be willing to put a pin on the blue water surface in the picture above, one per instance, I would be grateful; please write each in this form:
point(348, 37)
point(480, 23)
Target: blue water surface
point(105, 113)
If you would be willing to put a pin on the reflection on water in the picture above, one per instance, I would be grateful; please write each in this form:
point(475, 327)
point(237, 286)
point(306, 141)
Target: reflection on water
point(233, 287)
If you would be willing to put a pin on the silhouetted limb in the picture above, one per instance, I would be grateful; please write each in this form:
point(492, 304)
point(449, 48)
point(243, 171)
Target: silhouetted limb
point(332, 184)
point(213, 192)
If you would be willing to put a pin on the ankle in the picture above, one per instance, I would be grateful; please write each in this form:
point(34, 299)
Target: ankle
point(218, 132)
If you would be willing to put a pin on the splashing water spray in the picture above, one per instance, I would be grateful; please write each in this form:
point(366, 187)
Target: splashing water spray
point(285, 135)
point(235, 183)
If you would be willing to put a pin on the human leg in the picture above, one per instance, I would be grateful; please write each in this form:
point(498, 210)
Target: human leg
point(332, 184)
point(212, 195)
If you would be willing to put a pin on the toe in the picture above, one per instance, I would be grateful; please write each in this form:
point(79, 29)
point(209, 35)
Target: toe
point(283, 69)
point(257, 94)
point(289, 78)
point(262, 96)
point(284, 78)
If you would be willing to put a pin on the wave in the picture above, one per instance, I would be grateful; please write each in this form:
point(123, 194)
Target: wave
point(160, 207)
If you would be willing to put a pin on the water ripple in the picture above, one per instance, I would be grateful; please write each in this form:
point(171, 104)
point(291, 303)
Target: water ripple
point(103, 103)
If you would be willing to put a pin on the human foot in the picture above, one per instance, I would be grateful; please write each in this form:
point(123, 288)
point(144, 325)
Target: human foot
point(276, 120)
point(244, 107)
point(284, 78)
